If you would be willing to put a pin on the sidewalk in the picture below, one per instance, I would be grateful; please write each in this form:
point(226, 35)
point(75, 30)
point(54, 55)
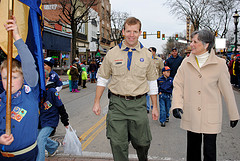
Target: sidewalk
point(64, 79)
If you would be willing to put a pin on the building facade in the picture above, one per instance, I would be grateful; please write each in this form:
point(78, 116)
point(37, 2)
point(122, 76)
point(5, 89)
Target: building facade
point(93, 33)
point(58, 34)
point(104, 11)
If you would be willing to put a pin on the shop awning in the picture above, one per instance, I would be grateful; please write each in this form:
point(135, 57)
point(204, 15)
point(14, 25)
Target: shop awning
point(56, 40)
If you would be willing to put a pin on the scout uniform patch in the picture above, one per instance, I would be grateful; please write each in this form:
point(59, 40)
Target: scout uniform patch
point(118, 61)
point(27, 89)
point(47, 105)
point(18, 113)
point(53, 76)
point(57, 94)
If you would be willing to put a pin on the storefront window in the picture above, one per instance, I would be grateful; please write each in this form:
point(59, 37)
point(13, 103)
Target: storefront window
point(62, 59)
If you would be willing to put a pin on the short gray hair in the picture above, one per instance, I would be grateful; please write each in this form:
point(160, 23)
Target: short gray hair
point(205, 36)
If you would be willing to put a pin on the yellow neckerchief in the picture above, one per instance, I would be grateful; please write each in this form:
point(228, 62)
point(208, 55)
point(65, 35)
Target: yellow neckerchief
point(234, 68)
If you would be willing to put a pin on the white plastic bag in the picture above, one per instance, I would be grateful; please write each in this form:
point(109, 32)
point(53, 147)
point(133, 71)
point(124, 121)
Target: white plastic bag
point(71, 143)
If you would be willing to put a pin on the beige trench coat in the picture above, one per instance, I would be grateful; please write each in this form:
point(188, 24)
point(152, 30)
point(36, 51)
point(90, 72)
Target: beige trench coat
point(199, 91)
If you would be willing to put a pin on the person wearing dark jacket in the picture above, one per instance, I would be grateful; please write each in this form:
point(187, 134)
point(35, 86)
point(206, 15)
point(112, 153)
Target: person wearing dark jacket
point(50, 109)
point(93, 70)
point(76, 61)
point(74, 75)
point(165, 87)
point(173, 62)
point(237, 70)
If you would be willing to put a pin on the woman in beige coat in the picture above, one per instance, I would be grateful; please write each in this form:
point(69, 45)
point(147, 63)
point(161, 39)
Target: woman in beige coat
point(198, 85)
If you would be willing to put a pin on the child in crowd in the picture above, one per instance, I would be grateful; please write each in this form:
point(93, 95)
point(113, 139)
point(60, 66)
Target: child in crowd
point(54, 77)
point(84, 77)
point(74, 76)
point(69, 79)
point(21, 145)
point(50, 110)
point(165, 87)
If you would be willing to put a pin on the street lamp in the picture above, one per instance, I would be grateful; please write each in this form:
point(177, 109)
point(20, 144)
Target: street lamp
point(236, 16)
point(98, 37)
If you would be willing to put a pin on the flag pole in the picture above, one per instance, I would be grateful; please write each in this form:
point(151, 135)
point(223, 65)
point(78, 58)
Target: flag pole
point(9, 70)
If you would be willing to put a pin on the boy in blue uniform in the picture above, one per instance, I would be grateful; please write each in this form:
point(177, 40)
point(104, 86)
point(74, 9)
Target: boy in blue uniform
point(50, 110)
point(21, 145)
point(165, 87)
point(54, 77)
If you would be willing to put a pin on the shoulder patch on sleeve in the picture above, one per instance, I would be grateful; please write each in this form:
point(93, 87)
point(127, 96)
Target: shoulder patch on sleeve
point(56, 94)
point(27, 89)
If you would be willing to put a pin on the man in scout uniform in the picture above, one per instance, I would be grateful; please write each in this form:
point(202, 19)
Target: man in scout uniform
point(133, 74)
point(157, 60)
point(159, 66)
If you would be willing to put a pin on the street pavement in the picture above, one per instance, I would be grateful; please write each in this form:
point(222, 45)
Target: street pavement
point(60, 156)
point(168, 143)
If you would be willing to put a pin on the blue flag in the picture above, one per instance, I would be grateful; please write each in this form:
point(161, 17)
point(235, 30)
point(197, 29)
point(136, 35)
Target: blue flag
point(34, 37)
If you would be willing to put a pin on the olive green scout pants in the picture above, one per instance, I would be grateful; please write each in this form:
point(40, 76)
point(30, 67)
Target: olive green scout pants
point(127, 121)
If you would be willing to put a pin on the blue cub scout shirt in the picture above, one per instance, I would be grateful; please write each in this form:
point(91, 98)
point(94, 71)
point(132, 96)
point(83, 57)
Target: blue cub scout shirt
point(49, 115)
point(24, 118)
point(165, 85)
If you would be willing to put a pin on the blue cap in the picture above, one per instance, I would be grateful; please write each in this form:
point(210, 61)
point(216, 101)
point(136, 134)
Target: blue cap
point(49, 61)
point(166, 68)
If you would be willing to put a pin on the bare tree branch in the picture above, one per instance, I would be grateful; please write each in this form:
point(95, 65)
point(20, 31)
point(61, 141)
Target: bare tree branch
point(117, 20)
point(212, 14)
point(75, 14)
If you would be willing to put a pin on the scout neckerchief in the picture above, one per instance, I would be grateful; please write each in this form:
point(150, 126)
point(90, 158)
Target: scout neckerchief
point(130, 51)
point(129, 60)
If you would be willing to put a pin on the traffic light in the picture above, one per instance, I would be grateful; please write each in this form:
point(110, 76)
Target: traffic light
point(144, 35)
point(158, 34)
point(176, 36)
point(163, 36)
point(216, 33)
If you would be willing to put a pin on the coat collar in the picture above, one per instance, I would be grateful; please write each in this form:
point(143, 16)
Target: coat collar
point(212, 59)
point(17, 97)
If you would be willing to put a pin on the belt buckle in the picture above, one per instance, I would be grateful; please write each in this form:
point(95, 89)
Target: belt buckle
point(126, 98)
point(7, 154)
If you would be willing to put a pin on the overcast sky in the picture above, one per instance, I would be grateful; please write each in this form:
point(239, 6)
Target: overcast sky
point(154, 17)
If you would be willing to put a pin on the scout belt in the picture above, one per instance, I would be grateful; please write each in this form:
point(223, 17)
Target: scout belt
point(23, 151)
point(129, 97)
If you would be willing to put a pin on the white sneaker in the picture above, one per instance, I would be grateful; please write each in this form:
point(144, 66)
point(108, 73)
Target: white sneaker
point(56, 151)
point(53, 154)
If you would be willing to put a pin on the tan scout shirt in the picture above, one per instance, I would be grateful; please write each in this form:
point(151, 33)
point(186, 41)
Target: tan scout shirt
point(124, 82)
point(159, 65)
